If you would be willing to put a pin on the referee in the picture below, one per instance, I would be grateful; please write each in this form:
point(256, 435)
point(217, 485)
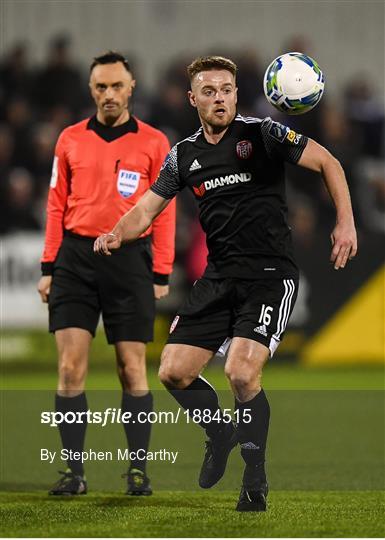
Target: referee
point(102, 167)
point(234, 166)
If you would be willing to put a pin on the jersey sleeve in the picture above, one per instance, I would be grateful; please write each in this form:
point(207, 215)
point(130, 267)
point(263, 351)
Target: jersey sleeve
point(57, 201)
point(281, 142)
point(168, 183)
point(163, 226)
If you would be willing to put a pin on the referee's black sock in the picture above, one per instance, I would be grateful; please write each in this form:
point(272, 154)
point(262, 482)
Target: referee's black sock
point(138, 433)
point(73, 435)
point(201, 396)
point(252, 435)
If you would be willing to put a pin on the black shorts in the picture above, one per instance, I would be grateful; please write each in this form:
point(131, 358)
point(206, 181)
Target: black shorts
point(217, 309)
point(120, 287)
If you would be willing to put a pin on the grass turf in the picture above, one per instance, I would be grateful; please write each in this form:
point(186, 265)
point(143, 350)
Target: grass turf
point(300, 513)
point(193, 514)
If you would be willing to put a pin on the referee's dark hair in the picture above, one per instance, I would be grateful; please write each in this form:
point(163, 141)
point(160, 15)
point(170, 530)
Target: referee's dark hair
point(206, 63)
point(110, 57)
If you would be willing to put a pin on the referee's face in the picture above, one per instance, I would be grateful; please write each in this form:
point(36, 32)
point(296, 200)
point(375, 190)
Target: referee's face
point(111, 87)
point(214, 95)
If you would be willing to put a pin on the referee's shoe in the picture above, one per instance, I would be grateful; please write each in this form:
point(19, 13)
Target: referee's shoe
point(138, 484)
point(69, 484)
point(217, 452)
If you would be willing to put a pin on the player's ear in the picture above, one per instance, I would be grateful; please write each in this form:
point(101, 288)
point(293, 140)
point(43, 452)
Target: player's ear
point(236, 94)
point(192, 99)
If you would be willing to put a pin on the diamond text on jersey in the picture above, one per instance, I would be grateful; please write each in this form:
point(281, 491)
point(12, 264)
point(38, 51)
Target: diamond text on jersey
point(228, 180)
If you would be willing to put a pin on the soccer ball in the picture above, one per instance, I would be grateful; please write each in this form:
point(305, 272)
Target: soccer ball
point(293, 83)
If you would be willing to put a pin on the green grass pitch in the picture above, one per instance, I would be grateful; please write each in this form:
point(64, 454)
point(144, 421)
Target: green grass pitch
point(325, 467)
point(193, 514)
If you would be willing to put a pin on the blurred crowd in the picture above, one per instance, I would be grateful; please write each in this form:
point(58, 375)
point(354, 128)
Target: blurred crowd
point(37, 102)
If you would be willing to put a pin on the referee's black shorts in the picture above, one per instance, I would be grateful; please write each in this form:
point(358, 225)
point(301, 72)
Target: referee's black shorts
point(217, 309)
point(120, 287)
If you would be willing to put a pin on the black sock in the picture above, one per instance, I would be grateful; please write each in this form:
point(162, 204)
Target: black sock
point(252, 436)
point(137, 433)
point(72, 435)
point(201, 395)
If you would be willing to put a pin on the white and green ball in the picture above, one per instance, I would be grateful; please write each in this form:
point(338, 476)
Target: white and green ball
point(293, 83)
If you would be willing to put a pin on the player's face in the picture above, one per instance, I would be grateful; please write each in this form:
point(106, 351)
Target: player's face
point(111, 87)
point(214, 94)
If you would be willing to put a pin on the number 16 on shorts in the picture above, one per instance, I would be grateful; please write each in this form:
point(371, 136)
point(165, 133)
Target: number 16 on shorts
point(265, 315)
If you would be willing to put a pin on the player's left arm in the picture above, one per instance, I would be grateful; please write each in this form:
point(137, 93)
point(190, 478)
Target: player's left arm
point(344, 236)
point(163, 228)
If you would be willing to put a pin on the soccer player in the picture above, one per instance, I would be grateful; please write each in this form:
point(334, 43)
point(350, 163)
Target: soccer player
point(102, 167)
point(235, 168)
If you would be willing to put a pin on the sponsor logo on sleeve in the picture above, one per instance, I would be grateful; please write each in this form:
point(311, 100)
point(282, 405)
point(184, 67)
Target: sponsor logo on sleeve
point(244, 149)
point(282, 133)
point(278, 131)
point(293, 137)
point(127, 183)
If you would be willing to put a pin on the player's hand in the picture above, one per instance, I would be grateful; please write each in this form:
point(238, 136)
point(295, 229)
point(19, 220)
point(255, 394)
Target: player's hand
point(44, 287)
point(344, 242)
point(105, 242)
point(160, 291)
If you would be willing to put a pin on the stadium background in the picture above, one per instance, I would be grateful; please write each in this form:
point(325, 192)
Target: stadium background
point(327, 433)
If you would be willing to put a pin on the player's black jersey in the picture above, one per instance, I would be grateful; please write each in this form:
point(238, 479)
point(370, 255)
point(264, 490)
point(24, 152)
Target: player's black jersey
point(240, 188)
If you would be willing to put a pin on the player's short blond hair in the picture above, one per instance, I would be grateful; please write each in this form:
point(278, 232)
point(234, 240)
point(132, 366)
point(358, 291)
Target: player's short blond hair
point(206, 63)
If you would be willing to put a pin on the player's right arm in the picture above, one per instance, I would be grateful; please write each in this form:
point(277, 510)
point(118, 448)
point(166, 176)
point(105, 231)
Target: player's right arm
point(139, 218)
point(57, 201)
